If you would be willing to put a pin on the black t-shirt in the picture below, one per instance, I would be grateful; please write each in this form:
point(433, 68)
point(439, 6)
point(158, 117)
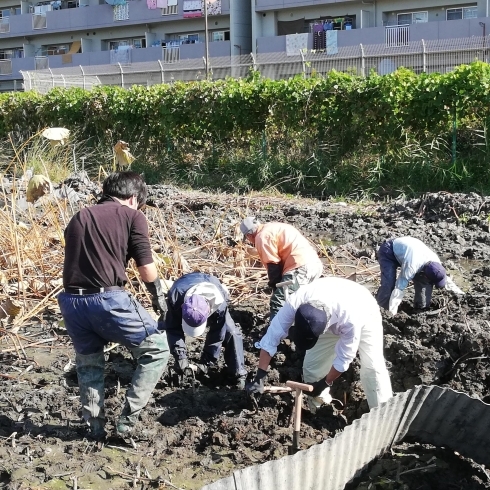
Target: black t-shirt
point(100, 240)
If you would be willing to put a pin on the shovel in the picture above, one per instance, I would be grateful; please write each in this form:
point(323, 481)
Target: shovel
point(299, 387)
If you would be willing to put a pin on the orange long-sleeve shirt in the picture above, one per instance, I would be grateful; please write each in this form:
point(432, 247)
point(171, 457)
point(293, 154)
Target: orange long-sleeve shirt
point(281, 242)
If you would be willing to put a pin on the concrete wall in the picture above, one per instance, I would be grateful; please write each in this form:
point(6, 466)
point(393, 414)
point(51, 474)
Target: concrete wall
point(241, 27)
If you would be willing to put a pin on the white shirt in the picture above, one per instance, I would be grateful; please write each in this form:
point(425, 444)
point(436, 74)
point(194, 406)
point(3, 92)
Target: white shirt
point(349, 304)
point(412, 254)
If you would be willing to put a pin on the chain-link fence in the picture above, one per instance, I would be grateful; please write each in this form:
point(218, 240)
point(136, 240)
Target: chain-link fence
point(420, 56)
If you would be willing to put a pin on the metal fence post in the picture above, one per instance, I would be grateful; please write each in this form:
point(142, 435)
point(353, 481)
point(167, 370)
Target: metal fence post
point(122, 75)
point(162, 75)
point(303, 62)
point(83, 75)
point(424, 57)
point(254, 62)
point(363, 61)
point(52, 76)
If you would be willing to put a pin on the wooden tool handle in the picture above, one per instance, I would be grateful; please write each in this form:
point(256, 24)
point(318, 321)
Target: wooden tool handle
point(299, 386)
point(277, 389)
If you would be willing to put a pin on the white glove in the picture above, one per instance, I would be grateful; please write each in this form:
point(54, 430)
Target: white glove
point(450, 286)
point(314, 403)
point(395, 300)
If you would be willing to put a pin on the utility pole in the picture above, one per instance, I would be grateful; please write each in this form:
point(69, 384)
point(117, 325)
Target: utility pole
point(206, 34)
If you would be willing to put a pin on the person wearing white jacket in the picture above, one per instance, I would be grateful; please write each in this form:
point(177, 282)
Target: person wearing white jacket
point(334, 319)
point(418, 263)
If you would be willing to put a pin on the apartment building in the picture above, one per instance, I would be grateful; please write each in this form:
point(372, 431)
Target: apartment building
point(354, 22)
point(66, 33)
point(57, 34)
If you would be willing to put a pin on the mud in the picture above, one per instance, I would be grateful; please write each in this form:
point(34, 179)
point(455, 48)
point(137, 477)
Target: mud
point(193, 435)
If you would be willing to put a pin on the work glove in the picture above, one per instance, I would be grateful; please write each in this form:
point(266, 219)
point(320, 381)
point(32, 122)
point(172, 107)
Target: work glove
point(158, 298)
point(274, 273)
point(257, 385)
point(181, 365)
point(450, 286)
point(318, 387)
point(395, 300)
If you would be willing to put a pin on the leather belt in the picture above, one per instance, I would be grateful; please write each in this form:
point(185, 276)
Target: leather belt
point(82, 291)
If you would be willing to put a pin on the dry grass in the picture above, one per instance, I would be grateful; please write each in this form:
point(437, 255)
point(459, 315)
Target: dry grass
point(31, 257)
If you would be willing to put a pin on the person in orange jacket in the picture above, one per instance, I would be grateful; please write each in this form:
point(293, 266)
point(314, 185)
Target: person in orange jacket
point(287, 255)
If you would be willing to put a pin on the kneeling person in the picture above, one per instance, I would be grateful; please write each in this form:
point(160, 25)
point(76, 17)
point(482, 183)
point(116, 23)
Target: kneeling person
point(195, 301)
point(334, 318)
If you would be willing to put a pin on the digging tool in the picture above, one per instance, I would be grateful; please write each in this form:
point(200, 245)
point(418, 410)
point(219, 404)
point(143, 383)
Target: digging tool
point(299, 387)
point(268, 389)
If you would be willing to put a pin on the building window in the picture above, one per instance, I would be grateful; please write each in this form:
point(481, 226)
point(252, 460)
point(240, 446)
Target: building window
point(220, 36)
point(331, 24)
point(462, 13)
point(137, 42)
point(8, 54)
point(412, 18)
point(55, 49)
point(189, 38)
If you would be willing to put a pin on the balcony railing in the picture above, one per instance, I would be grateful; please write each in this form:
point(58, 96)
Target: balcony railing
point(41, 63)
point(121, 12)
point(39, 21)
point(5, 67)
point(397, 36)
point(4, 25)
point(121, 55)
point(171, 55)
point(170, 10)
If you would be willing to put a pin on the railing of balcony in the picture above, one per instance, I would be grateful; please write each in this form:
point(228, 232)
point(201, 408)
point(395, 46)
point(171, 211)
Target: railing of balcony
point(5, 67)
point(41, 63)
point(170, 54)
point(39, 21)
point(397, 36)
point(4, 25)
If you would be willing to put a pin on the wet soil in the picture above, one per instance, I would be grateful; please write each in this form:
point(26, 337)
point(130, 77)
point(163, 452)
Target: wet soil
point(413, 466)
point(196, 433)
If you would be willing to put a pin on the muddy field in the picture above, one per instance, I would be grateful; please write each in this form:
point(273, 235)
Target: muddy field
point(193, 435)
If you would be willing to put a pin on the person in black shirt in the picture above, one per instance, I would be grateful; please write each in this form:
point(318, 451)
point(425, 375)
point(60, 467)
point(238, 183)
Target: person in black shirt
point(97, 309)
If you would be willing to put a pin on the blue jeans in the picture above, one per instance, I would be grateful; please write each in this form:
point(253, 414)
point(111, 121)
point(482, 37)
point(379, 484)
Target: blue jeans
point(93, 320)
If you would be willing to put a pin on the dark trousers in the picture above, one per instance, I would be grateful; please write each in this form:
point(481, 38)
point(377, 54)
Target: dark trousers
point(223, 331)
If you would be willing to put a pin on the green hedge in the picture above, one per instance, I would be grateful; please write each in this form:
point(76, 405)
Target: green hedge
point(321, 135)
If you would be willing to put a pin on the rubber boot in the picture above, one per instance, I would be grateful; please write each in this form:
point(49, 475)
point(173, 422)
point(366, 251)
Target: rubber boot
point(90, 372)
point(151, 356)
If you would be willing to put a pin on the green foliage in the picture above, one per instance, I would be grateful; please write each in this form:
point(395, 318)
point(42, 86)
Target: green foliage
point(339, 134)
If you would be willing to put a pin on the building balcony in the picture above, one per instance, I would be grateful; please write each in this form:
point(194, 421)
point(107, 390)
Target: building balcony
point(91, 17)
point(10, 69)
point(392, 36)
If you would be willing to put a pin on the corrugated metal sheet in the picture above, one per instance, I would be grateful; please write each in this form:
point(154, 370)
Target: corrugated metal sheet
point(428, 414)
